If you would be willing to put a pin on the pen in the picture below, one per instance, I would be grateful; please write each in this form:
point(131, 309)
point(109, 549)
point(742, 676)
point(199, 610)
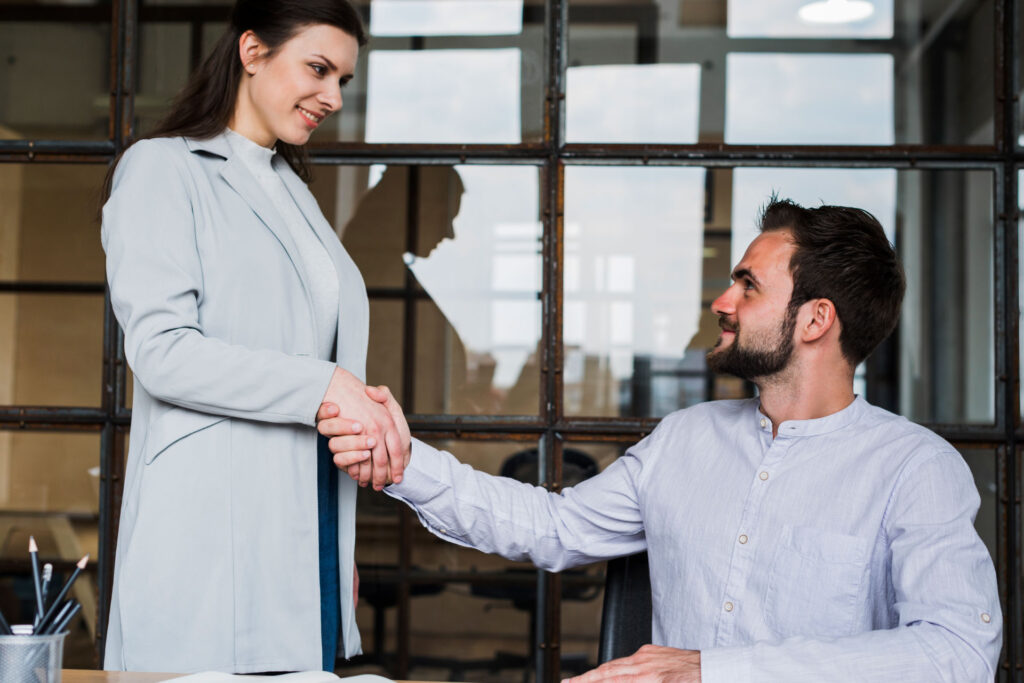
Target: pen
point(64, 591)
point(33, 552)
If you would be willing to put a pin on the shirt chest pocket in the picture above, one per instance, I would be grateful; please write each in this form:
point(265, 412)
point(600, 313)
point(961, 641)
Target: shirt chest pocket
point(815, 583)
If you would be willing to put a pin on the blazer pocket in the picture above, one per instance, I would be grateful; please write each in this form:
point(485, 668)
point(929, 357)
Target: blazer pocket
point(814, 583)
point(174, 425)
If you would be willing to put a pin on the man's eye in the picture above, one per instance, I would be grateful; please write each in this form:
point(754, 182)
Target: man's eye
point(320, 69)
point(747, 284)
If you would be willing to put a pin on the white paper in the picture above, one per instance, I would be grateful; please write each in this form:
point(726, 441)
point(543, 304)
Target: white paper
point(298, 677)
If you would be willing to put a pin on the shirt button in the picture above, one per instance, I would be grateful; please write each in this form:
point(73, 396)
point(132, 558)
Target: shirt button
point(728, 607)
point(743, 538)
point(985, 617)
point(764, 422)
point(763, 476)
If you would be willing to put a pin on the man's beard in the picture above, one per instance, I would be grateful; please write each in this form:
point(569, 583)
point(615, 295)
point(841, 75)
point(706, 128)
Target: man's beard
point(760, 357)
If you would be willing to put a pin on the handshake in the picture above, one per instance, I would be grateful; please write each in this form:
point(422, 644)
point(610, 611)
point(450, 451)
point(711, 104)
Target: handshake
point(367, 431)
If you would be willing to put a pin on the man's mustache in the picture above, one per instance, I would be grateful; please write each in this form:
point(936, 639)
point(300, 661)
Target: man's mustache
point(728, 325)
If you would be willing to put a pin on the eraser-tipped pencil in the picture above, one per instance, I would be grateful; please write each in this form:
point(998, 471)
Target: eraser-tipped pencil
point(47, 578)
point(33, 553)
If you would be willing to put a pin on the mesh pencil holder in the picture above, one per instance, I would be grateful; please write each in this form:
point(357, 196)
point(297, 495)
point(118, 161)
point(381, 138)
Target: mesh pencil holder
point(31, 659)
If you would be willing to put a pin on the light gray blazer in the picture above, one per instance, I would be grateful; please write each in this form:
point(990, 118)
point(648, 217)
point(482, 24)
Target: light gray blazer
point(217, 555)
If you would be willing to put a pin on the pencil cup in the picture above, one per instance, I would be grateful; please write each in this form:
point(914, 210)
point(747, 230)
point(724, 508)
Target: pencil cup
point(31, 659)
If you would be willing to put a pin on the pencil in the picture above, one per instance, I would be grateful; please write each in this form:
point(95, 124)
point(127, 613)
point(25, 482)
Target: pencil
point(64, 590)
point(33, 552)
point(61, 623)
point(5, 628)
point(46, 625)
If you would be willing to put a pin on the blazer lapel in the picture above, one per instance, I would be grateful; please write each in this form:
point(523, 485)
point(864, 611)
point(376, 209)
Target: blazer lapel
point(237, 175)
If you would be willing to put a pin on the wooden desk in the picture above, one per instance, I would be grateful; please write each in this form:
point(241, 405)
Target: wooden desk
point(83, 676)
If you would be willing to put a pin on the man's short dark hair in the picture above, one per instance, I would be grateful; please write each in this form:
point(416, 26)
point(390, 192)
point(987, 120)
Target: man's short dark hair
point(842, 254)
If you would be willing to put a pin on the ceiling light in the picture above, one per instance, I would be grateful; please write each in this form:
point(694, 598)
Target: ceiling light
point(836, 11)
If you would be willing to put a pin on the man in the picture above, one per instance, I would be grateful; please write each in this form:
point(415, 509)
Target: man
point(803, 535)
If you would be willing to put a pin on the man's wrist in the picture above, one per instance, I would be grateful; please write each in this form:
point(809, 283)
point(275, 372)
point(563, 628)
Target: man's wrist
point(726, 664)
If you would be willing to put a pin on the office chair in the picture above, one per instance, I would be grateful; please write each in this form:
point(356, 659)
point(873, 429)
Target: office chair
point(626, 615)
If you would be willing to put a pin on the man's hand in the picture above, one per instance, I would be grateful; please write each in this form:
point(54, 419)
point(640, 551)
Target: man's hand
point(380, 436)
point(352, 448)
point(650, 664)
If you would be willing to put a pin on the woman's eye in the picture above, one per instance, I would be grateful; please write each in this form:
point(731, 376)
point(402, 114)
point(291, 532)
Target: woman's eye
point(320, 69)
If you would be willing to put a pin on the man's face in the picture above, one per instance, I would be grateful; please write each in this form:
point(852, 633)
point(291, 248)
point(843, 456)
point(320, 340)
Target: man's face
point(757, 325)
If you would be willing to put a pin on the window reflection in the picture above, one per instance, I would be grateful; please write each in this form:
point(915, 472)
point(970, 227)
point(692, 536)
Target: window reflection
point(783, 19)
point(633, 249)
point(445, 17)
point(469, 96)
point(652, 103)
point(916, 73)
point(466, 262)
point(809, 99)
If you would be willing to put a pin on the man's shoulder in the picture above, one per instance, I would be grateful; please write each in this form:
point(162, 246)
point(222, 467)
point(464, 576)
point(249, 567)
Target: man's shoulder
point(897, 428)
point(722, 411)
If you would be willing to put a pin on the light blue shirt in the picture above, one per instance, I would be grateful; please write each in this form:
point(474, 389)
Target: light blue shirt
point(841, 550)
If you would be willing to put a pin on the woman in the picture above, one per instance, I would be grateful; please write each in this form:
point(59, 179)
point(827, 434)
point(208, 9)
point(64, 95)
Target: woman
point(241, 312)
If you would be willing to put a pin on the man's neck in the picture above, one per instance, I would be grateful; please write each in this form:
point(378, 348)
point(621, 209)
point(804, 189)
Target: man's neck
point(796, 395)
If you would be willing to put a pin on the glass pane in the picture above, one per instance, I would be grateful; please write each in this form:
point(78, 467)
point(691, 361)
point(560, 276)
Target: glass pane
point(1020, 275)
point(983, 465)
point(51, 349)
point(49, 223)
point(49, 489)
point(467, 260)
point(636, 329)
point(473, 71)
point(847, 72)
point(632, 301)
point(384, 354)
point(55, 77)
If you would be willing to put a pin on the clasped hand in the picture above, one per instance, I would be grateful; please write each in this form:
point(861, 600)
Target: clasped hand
point(367, 431)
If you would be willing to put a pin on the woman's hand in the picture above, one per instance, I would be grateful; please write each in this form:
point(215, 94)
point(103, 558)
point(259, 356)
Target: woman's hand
point(380, 448)
point(352, 448)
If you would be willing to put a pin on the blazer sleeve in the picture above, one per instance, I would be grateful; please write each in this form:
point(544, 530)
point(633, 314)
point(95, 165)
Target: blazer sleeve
point(156, 284)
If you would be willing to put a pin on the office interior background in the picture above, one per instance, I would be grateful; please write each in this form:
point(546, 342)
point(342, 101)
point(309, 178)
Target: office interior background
point(543, 199)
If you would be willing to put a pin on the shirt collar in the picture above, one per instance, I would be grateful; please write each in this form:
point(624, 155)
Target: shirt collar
point(815, 427)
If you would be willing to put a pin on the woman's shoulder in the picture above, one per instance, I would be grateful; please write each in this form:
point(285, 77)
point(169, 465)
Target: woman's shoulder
point(154, 150)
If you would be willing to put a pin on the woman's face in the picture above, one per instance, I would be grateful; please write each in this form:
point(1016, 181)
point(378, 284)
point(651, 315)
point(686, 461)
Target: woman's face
point(286, 95)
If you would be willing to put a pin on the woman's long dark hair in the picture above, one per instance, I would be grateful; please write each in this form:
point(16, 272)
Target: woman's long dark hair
point(203, 108)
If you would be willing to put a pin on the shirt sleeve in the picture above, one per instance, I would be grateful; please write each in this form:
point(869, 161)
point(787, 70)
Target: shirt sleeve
point(945, 595)
point(595, 520)
point(156, 283)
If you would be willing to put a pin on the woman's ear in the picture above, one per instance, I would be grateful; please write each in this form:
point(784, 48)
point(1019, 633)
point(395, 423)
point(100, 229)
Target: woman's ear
point(250, 50)
point(822, 318)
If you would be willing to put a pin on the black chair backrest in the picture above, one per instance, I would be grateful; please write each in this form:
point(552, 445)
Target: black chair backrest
point(626, 617)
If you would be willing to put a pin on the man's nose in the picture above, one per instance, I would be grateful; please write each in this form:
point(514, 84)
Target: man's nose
point(723, 305)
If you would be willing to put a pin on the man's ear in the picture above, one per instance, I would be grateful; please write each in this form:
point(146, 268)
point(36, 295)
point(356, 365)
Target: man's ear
point(820, 317)
point(250, 50)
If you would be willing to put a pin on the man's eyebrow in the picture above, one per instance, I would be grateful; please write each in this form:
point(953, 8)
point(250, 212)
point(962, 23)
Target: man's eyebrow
point(744, 273)
point(330, 64)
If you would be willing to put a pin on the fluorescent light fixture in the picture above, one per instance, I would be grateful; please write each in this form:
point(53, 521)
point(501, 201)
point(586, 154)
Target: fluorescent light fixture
point(836, 11)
